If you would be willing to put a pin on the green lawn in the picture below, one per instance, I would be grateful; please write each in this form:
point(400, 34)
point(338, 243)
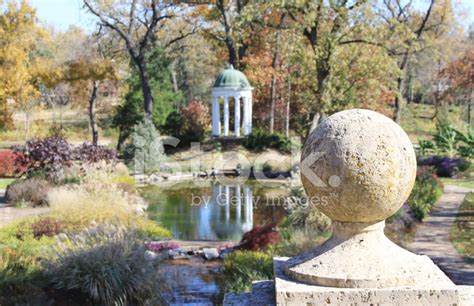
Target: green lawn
point(416, 119)
point(462, 232)
point(4, 183)
point(461, 182)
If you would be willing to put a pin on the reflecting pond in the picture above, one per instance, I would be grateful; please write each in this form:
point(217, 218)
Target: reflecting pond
point(215, 211)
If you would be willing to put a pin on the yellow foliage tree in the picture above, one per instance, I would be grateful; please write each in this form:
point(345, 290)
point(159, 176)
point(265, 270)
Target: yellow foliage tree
point(20, 36)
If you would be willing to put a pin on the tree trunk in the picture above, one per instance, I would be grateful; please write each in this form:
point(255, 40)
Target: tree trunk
point(121, 139)
point(229, 42)
point(469, 114)
point(27, 124)
point(273, 86)
point(145, 83)
point(272, 106)
point(61, 117)
point(398, 101)
point(92, 113)
point(314, 122)
point(287, 119)
point(469, 110)
point(232, 55)
point(173, 76)
point(174, 79)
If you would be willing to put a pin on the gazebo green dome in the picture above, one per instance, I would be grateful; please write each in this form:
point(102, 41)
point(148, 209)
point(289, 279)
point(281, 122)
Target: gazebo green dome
point(232, 78)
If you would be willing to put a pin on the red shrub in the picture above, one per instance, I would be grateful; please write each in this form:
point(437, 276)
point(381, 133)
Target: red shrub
point(196, 118)
point(46, 227)
point(260, 237)
point(9, 164)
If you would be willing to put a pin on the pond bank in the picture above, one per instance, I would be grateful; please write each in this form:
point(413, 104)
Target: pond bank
point(201, 244)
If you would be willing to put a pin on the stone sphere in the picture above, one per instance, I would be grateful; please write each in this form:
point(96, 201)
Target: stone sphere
point(358, 166)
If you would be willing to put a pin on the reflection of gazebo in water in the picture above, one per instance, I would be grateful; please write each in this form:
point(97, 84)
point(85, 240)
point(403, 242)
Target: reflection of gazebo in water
point(234, 215)
point(232, 84)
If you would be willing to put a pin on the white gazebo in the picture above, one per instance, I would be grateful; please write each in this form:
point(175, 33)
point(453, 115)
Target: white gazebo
point(232, 84)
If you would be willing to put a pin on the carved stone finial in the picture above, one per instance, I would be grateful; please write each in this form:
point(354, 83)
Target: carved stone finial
point(362, 168)
point(368, 158)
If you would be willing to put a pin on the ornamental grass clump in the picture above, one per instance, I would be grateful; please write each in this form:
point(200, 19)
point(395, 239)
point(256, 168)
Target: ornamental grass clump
point(99, 199)
point(107, 265)
point(30, 192)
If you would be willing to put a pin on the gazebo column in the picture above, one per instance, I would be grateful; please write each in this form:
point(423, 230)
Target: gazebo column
point(247, 116)
point(216, 117)
point(250, 113)
point(226, 116)
point(237, 116)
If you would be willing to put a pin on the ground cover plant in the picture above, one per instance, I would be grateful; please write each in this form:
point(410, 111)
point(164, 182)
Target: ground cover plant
point(240, 268)
point(444, 166)
point(427, 190)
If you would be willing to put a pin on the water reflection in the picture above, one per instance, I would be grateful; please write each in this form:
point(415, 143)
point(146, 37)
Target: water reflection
point(191, 282)
point(213, 212)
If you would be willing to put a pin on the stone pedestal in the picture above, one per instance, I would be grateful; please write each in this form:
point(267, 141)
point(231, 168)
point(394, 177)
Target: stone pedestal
point(438, 291)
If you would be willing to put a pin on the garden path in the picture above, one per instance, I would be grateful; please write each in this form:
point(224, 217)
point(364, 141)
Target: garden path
point(432, 237)
point(9, 214)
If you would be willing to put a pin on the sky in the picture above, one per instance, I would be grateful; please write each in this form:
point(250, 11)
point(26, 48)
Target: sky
point(64, 13)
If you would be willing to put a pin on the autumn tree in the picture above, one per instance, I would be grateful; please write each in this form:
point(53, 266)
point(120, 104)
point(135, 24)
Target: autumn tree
point(90, 73)
point(230, 24)
point(328, 28)
point(409, 31)
point(20, 44)
point(458, 79)
point(136, 23)
point(192, 61)
point(78, 76)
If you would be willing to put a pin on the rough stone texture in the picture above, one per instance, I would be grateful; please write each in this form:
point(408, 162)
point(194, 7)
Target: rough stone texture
point(466, 295)
point(210, 253)
point(290, 292)
point(368, 158)
point(263, 293)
